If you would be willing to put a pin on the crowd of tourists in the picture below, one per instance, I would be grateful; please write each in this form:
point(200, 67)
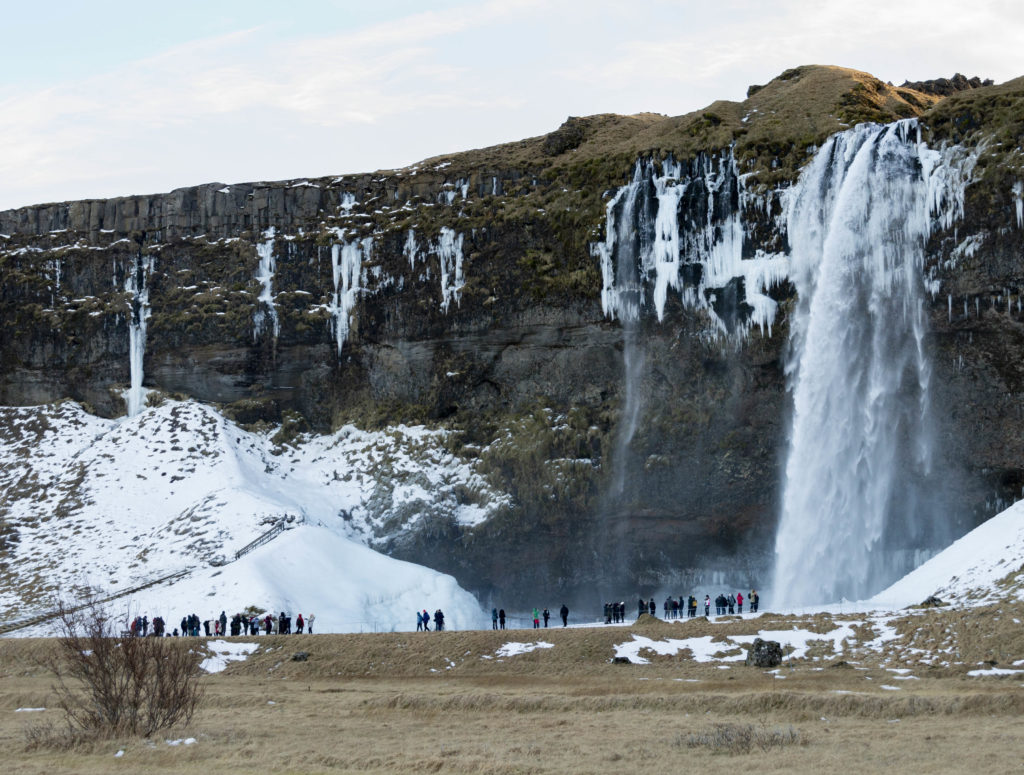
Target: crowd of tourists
point(219, 626)
point(684, 607)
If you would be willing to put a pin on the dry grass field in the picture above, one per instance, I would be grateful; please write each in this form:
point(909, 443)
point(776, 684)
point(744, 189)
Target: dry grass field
point(434, 702)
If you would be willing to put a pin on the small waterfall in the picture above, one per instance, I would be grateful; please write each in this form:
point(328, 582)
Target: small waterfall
point(346, 263)
point(265, 276)
point(1018, 202)
point(622, 296)
point(136, 283)
point(861, 462)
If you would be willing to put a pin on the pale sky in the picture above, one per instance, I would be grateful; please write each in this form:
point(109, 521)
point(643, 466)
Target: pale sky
point(105, 98)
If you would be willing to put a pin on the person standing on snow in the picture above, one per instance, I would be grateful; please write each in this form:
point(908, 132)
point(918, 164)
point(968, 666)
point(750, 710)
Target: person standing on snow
point(739, 602)
point(536, 619)
point(707, 605)
point(564, 613)
point(547, 615)
point(494, 618)
point(501, 618)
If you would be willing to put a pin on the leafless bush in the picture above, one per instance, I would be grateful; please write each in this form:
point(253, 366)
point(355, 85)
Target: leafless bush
point(742, 738)
point(111, 684)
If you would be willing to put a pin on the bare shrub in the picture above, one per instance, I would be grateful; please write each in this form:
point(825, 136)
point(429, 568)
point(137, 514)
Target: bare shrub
point(742, 738)
point(111, 684)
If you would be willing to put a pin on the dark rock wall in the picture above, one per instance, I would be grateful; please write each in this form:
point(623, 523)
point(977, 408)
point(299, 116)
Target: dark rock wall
point(524, 367)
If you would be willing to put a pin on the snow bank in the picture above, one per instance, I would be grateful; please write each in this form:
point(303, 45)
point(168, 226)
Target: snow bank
point(967, 571)
point(312, 570)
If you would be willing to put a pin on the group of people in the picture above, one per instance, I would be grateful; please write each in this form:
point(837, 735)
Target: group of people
point(681, 607)
point(498, 617)
point(423, 620)
point(219, 626)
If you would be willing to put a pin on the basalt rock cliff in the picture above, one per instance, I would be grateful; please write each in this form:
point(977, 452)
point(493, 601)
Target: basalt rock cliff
point(467, 292)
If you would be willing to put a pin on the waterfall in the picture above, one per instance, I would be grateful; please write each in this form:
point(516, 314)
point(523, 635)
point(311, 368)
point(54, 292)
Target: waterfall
point(346, 263)
point(265, 276)
point(136, 284)
point(862, 457)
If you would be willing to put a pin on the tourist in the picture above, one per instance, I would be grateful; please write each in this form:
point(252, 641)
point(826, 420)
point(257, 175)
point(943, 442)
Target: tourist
point(438, 620)
point(707, 605)
point(536, 619)
point(494, 618)
point(547, 615)
point(426, 621)
point(501, 618)
point(299, 624)
point(309, 623)
point(564, 613)
point(739, 602)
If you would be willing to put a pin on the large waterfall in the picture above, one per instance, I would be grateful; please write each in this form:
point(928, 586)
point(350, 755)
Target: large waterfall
point(862, 457)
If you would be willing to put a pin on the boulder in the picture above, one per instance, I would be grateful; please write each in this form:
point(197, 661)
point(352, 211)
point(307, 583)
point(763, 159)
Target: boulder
point(764, 653)
point(300, 656)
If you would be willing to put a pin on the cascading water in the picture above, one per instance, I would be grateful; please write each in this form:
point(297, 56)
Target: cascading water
point(136, 283)
point(679, 227)
point(862, 457)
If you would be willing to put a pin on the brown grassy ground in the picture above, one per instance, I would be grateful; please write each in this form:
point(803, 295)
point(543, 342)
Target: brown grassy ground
point(370, 703)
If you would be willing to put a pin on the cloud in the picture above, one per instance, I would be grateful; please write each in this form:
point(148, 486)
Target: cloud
point(259, 102)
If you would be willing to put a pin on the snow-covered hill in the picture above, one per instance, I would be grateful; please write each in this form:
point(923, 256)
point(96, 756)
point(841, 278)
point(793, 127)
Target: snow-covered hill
point(982, 567)
point(112, 504)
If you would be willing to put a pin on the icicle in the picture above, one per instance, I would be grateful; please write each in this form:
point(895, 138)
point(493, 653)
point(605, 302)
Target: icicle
point(449, 252)
point(1018, 201)
point(265, 276)
point(346, 265)
point(136, 283)
point(410, 249)
point(949, 302)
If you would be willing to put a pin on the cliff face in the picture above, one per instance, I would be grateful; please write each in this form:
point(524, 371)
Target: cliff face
point(466, 292)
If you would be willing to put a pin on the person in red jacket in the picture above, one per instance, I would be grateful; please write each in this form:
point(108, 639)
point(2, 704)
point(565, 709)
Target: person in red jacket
point(739, 602)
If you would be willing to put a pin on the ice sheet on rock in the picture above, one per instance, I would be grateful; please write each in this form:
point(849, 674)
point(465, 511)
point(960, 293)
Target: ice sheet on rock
point(265, 276)
point(346, 264)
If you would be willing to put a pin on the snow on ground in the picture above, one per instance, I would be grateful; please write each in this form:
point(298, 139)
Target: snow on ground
point(225, 652)
point(731, 649)
point(313, 570)
point(966, 572)
point(513, 648)
point(113, 504)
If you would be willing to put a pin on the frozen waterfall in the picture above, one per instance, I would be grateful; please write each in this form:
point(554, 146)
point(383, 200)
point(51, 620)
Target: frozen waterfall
point(136, 283)
point(265, 276)
point(861, 457)
point(346, 264)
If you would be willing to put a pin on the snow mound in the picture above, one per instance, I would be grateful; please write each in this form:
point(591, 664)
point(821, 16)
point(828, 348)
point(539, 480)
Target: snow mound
point(969, 571)
point(313, 570)
point(117, 504)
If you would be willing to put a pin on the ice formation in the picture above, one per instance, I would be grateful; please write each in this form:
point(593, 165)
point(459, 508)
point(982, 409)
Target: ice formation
point(265, 276)
point(861, 456)
point(346, 263)
point(136, 283)
point(679, 227)
point(449, 253)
